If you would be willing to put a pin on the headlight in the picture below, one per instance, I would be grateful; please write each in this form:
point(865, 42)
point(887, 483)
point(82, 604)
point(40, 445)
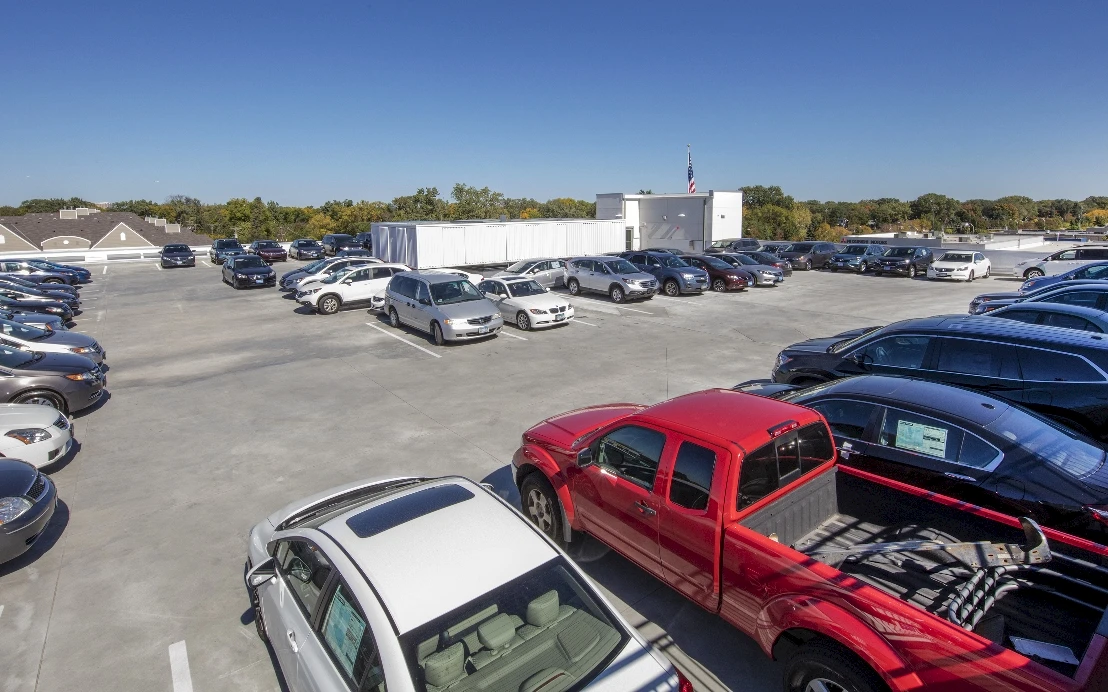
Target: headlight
point(11, 508)
point(83, 349)
point(962, 269)
point(28, 436)
point(536, 311)
point(452, 322)
point(241, 276)
point(82, 376)
point(60, 311)
point(313, 290)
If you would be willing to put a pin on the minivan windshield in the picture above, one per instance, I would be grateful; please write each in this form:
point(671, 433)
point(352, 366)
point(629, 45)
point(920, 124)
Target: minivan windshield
point(956, 257)
point(621, 266)
point(799, 247)
point(449, 292)
point(1066, 450)
point(542, 630)
point(899, 252)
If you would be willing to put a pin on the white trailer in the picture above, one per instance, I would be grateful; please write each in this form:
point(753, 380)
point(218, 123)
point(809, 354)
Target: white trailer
point(430, 244)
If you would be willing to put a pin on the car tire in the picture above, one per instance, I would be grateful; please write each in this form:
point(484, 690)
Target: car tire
point(1033, 273)
point(437, 335)
point(541, 506)
point(671, 288)
point(808, 265)
point(863, 268)
point(53, 281)
point(970, 279)
point(259, 621)
point(719, 285)
point(912, 271)
point(616, 294)
point(523, 321)
point(42, 398)
point(394, 318)
point(827, 666)
point(988, 272)
point(328, 304)
point(574, 287)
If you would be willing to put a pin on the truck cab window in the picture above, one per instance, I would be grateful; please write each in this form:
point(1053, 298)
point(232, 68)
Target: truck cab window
point(692, 476)
point(633, 453)
point(782, 461)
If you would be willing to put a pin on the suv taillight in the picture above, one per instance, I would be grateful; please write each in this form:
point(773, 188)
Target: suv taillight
point(683, 684)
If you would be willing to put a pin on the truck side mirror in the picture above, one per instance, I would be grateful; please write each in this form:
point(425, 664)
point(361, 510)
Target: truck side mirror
point(261, 573)
point(585, 458)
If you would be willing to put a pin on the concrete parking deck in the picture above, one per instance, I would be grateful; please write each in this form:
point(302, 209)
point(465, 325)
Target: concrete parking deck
point(228, 404)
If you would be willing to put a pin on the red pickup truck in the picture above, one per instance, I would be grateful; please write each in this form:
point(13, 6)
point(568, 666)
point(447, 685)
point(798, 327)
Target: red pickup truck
point(856, 582)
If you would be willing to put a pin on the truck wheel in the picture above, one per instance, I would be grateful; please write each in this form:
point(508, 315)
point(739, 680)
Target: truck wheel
point(671, 288)
point(573, 286)
point(541, 505)
point(819, 667)
point(328, 305)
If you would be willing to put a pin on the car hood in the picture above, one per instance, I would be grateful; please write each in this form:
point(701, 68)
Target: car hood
point(36, 318)
point(849, 257)
point(13, 416)
point(638, 276)
point(762, 268)
point(297, 274)
point(470, 309)
point(816, 345)
point(68, 339)
point(894, 260)
point(565, 428)
point(16, 476)
point(309, 281)
point(59, 364)
point(543, 301)
point(947, 264)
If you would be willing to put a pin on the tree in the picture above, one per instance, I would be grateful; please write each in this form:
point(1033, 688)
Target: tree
point(646, 192)
point(52, 206)
point(828, 233)
point(567, 208)
point(1097, 217)
point(771, 222)
point(473, 203)
point(424, 205)
point(938, 209)
point(760, 196)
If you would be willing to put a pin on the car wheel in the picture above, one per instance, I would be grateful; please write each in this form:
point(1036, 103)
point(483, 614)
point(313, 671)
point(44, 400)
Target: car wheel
point(53, 281)
point(912, 271)
point(863, 268)
point(819, 667)
point(719, 285)
point(1033, 273)
point(41, 399)
point(573, 286)
point(616, 294)
point(328, 304)
point(808, 265)
point(259, 621)
point(671, 288)
point(436, 334)
point(988, 271)
point(541, 505)
point(523, 321)
point(970, 280)
point(834, 269)
point(394, 318)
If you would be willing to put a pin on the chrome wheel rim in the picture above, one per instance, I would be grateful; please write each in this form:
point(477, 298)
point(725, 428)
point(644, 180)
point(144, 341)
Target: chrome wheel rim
point(912, 272)
point(823, 685)
point(719, 285)
point(573, 287)
point(540, 512)
point(40, 401)
point(863, 267)
point(330, 305)
point(522, 322)
point(672, 289)
point(617, 295)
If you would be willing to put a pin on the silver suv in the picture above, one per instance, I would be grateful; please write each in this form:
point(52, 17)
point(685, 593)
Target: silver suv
point(614, 276)
point(447, 306)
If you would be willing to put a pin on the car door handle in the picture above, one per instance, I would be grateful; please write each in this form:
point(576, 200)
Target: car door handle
point(292, 641)
point(644, 509)
point(960, 477)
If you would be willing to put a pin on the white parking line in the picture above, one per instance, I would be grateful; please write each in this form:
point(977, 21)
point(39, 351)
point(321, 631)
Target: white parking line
point(159, 266)
point(99, 315)
point(587, 324)
point(206, 264)
point(105, 269)
point(179, 667)
point(1, 611)
point(614, 305)
point(400, 338)
point(507, 333)
point(687, 302)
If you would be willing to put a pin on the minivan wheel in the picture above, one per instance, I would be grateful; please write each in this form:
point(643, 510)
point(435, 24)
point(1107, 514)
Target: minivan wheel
point(1033, 273)
point(911, 271)
point(329, 305)
point(573, 286)
point(41, 399)
point(616, 294)
point(671, 288)
point(436, 334)
point(719, 285)
point(523, 321)
point(394, 319)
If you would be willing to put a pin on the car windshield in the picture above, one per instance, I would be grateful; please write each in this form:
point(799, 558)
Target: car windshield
point(899, 252)
point(342, 238)
point(16, 358)
point(764, 257)
point(520, 267)
point(621, 266)
point(723, 243)
point(542, 630)
point(227, 245)
point(1068, 451)
point(956, 257)
point(176, 248)
point(671, 261)
point(715, 263)
point(847, 343)
point(519, 289)
point(449, 292)
point(22, 331)
point(268, 243)
point(799, 247)
point(339, 273)
point(308, 243)
point(250, 262)
point(43, 265)
point(313, 267)
point(853, 250)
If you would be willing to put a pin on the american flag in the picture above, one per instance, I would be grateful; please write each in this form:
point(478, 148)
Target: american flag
point(692, 179)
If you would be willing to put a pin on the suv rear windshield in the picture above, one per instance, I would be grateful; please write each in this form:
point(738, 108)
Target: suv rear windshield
point(542, 630)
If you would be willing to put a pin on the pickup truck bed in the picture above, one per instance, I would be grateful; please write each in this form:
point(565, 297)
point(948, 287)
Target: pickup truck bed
point(1060, 602)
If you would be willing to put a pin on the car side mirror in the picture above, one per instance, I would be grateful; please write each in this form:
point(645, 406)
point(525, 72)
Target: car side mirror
point(424, 301)
point(585, 458)
point(859, 359)
point(348, 281)
point(261, 573)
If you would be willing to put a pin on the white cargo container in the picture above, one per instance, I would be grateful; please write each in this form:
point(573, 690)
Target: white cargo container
point(430, 244)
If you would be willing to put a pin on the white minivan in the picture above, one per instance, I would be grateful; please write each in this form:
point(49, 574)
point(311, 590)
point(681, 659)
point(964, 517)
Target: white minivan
point(1061, 261)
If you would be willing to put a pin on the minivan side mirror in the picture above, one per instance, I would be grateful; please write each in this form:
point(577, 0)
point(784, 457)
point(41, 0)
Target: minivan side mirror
point(261, 573)
point(585, 458)
point(424, 301)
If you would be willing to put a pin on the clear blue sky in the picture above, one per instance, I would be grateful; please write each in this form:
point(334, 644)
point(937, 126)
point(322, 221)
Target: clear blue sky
point(304, 102)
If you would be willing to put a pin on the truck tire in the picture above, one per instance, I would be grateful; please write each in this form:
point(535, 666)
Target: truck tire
point(542, 507)
point(825, 667)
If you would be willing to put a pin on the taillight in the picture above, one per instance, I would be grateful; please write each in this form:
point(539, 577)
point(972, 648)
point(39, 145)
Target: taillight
point(683, 684)
point(781, 429)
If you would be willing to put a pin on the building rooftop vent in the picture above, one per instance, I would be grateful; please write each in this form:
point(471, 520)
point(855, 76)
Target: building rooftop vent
point(149, 219)
point(173, 228)
point(159, 222)
point(82, 211)
point(67, 214)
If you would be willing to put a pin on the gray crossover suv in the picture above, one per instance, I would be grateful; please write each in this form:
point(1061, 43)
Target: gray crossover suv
point(448, 307)
point(615, 276)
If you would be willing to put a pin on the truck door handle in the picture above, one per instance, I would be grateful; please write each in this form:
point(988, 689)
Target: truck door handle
point(960, 477)
point(292, 641)
point(644, 509)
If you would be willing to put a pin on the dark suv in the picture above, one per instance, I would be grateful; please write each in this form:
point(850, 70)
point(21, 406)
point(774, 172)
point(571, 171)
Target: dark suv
point(333, 242)
point(365, 239)
point(674, 275)
point(906, 261)
point(1061, 373)
point(808, 256)
point(223, 248)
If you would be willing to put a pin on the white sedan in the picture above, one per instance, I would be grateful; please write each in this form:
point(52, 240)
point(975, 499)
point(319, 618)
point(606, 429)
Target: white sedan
point(961, 265)
point(525, 303)
point(39, 435)
point(435, 585)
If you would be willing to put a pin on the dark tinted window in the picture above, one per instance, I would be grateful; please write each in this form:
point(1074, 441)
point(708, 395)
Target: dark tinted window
point(1050, 366)
point(1087, 299)
point(1093, 253)
point(1100, 271)
point(403, 285)
point(976, 452)
point(982, 358)
point(1057, 319)
point(305, 570)
point(921, 435)
point(897, 351)
point(1027, 316)
point(692, 476)
point(846, 418)
point(383, 272)
point(633, 452)
point(782, 461)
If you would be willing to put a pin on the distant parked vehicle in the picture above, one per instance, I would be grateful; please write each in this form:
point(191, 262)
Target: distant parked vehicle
point(269, 250)
point(449, 307)
point(35, 319)
point(46, 291)
point(1089, 293)
point(769, 259)
point(549, 272)
point(1056, 315)
point(524, 302)
point(905, 261)
point(30, 295)
point(808, 256)
point(960, 266)
point(39, 435)
point(613, 276)
point(177, 256)
point(333, 242)
point(350, 287)
point(859, 258)
point(27, 502)
point(83, 274)
point(764, 274)
point(472, 277)
point(57, 308)
point(674, 275)
point(223, 248)
point(37, 274)
point(733, 244)
point(774, 247)
point(305, 248)
point(1061, 261)
point(721, 276)
point(357, 252)
point(365, 239)
point(248, 271)
point(1097, 271)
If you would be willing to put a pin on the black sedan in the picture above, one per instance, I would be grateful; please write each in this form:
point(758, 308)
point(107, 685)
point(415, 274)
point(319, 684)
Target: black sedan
point(35, 319)
point(37, 274)
point(27, 502)
point(244, 271)
point(27, 283)
point(964, 444)
point(58, 309)
point(177, 255)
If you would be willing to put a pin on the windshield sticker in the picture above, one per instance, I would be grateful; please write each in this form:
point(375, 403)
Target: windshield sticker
point(916, 437)
point(343, 631)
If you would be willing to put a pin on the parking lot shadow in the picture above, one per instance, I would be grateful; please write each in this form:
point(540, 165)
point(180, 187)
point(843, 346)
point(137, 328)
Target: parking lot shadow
point(503, 484)
point(95, 407)
point(59, 464)
point(46, 541)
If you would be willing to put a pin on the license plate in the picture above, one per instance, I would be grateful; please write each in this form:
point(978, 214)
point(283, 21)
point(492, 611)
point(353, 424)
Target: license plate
point(559, 318)
point(482, 330)
point(259, 281)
